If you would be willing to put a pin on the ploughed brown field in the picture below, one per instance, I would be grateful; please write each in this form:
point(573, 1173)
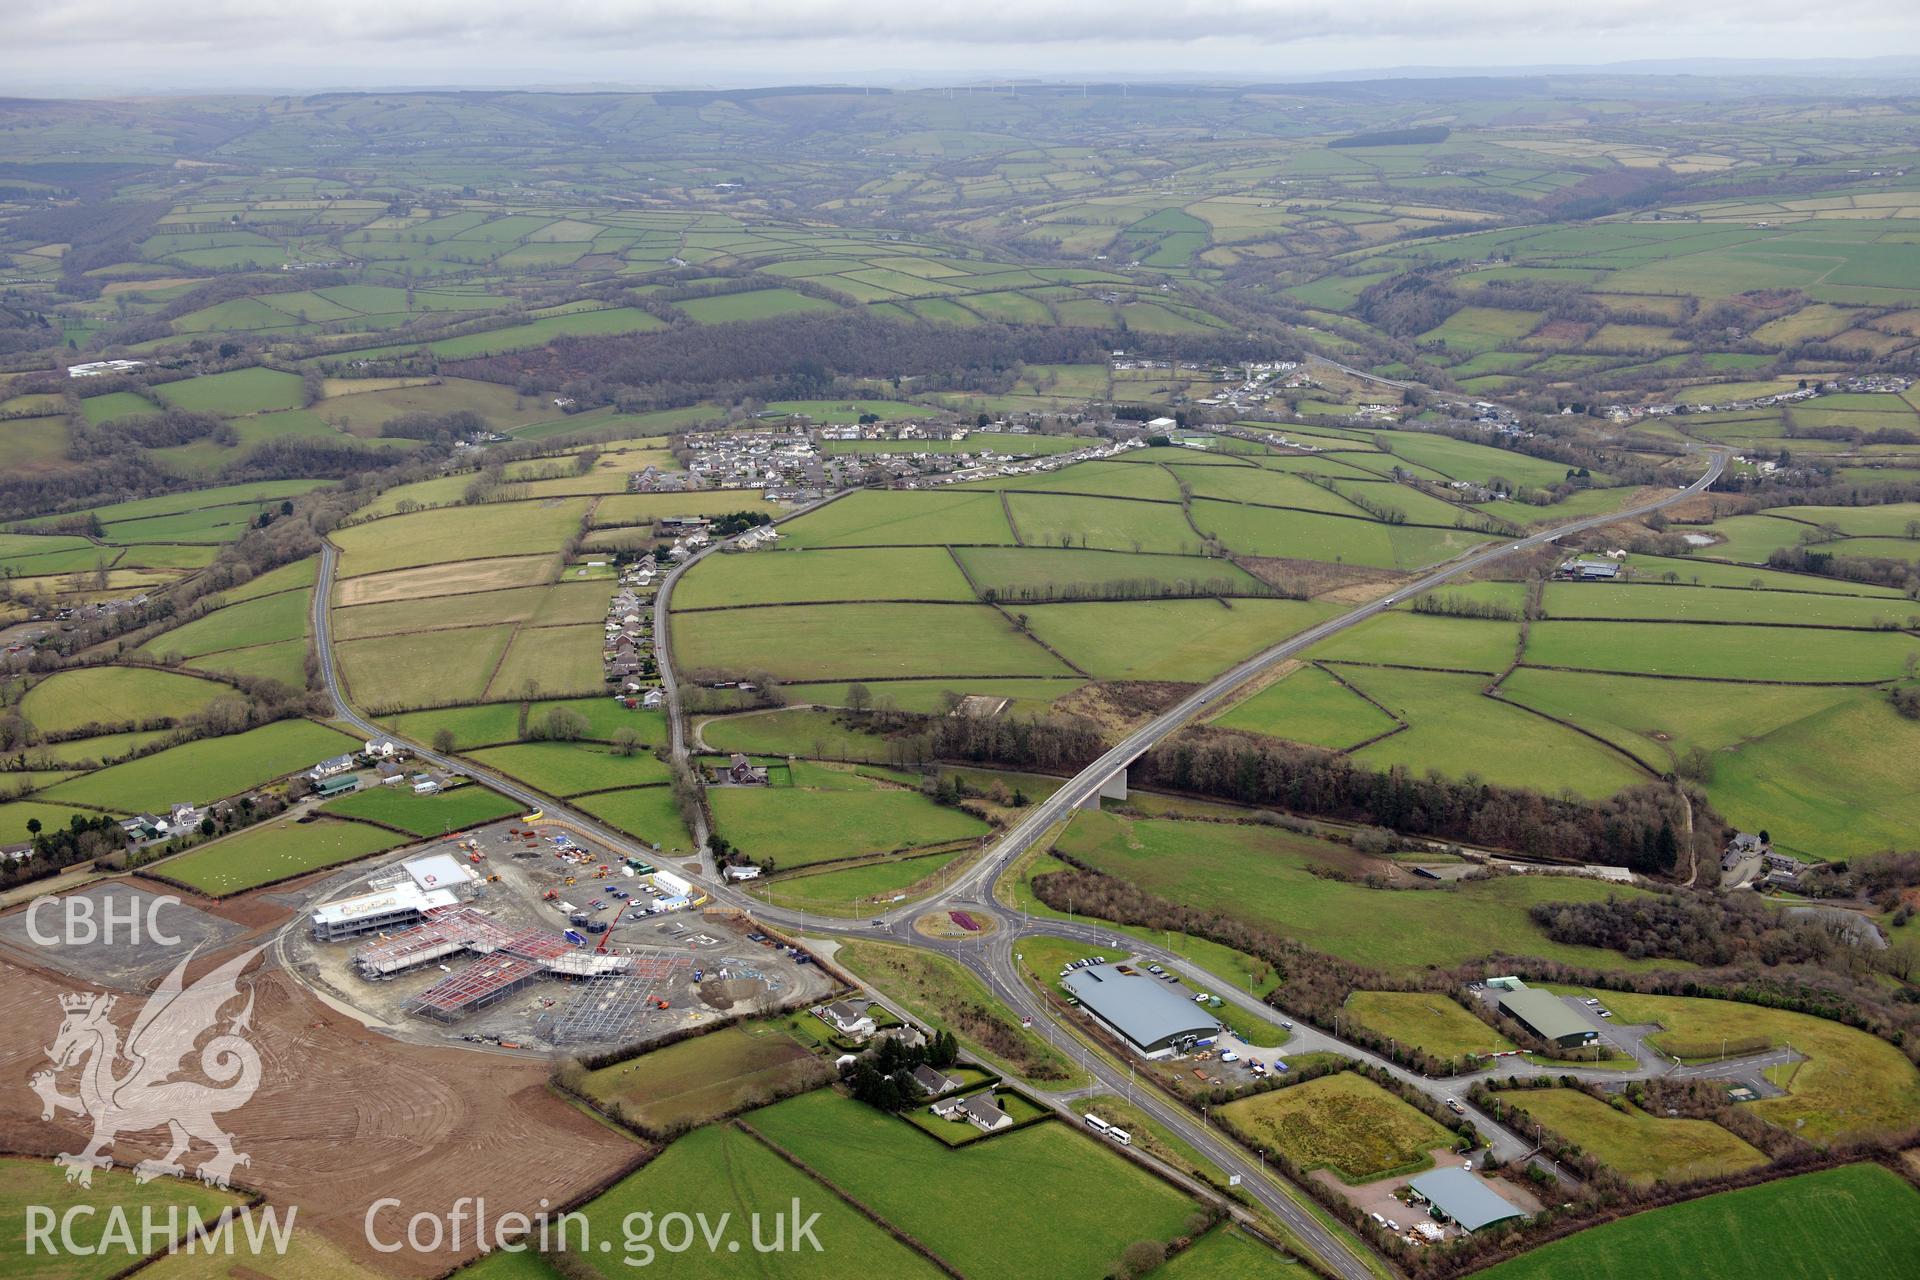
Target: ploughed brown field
point(344, 1117)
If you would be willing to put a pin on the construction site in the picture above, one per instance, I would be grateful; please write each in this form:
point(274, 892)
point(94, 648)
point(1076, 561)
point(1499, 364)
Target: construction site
point(532, 938)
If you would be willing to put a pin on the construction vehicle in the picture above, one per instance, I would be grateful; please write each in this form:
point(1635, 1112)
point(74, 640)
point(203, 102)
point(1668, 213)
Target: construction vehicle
point(494, 878)
point(662, 1004)
point(570, 880)
point(551, 895)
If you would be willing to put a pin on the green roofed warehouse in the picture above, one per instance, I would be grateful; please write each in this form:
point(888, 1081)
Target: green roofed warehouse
point(1544, 1014)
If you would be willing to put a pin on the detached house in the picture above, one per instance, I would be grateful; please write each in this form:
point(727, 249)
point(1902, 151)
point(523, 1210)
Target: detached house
point(980, 1110)
point(330, 767)
point(1744, 845)
point(932, 1080)
point(848, 1017)
point(744, 772)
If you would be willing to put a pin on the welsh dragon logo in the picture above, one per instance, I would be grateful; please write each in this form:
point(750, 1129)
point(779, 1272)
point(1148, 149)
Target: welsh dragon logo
point(145, 1095)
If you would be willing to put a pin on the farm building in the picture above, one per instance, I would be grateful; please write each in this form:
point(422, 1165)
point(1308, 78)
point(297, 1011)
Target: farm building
point(1545, 1014)
point(1141, 1010)
point(338, 785)
point(1590, 570)
point(1457, 1195)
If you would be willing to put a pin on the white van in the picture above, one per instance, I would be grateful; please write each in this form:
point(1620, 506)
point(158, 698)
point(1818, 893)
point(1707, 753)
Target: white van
point(1096, 1124)
point(1120, 1136)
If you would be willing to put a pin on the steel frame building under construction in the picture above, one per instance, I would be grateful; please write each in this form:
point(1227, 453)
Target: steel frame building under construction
point(507, 960)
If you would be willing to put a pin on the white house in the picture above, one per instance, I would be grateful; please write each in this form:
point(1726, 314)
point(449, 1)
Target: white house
point(848, 1017)
point(328, 768)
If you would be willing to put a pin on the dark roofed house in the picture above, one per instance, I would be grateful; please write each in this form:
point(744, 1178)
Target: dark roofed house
point(932, 1080)
point(980, 1110)
point(743, 771)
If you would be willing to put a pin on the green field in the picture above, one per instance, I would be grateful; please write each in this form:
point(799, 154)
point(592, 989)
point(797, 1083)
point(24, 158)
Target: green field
point(793, 731)
point(692, 1082)
point(756, 304)
point(1111, 524)
point(458, 533)
point(1852, 1083)
point(1060, 1204)
point(860, 642)
point(858, 890)
point(1268, 531)
point(1228, 1251)
point(275, 850)
point(889, 518)
point(235, 393)
point(267, 620)
point(1016, 574)
point(1185, 640)
point(1260, 874)
point(1426, 640)
point(1722, 652)
point(1430, 1021)
point(1027, 696)
point(42, 1183)
point(650, 813)
point(68, 700)
point(780, 577)
point(1715, 604)
point(207, 769)
point(1639, 1147)
point(1454, 727)
point(1309, 705)
point(287, 577)
point(843, 816)
point(431, 815)
point(718, 1169)
point(569, 768)
point(400, 671)
point(553, 662)
point(1860, 1222)
point(496, 723)
point(1813, 765)
point(1343, 1122)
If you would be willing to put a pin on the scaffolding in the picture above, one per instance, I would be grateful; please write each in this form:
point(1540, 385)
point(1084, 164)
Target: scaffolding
point(443, 934)
point(476, 986)
point(605, 1012)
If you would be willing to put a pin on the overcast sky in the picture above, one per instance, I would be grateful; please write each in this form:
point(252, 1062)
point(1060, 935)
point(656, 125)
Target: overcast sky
point(106, 46)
